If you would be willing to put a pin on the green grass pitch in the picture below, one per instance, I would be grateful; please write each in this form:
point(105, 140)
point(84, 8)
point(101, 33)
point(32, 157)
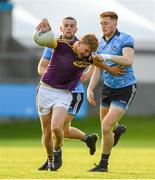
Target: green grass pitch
point(21, 152)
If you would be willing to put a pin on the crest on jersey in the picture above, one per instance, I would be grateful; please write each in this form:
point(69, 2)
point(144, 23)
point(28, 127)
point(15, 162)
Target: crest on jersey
point(81, 64)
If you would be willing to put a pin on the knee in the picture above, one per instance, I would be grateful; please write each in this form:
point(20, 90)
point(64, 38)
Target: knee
point(106, 129)
point(56, 131)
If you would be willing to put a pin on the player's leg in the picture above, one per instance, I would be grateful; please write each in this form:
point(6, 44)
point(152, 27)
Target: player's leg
point(75, 105)
point(104, 110)
point(58, 117)
point(119, 129)
point(61, 102)
point(44, 110)
point(120, 100)
point(126, 96)
point(70, 131)
point(73, 132)
point(108, 123)
point(47, 140)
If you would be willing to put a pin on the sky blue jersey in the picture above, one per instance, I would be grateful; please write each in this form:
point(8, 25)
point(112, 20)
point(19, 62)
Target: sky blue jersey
point(114, 46)
point(47, 54)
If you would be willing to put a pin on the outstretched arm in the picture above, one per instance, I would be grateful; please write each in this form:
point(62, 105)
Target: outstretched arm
point(125, 60)
point(43, 35)
point(92, 84)
point(99, 62)
point(44, 25)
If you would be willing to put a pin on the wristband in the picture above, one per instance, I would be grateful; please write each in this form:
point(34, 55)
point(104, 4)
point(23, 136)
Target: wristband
point(106, 56)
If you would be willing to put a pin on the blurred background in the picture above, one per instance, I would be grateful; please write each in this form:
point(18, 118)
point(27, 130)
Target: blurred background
point(19, 55)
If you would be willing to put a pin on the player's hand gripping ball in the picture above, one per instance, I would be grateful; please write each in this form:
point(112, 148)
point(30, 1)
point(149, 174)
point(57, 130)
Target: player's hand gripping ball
point(43, 38)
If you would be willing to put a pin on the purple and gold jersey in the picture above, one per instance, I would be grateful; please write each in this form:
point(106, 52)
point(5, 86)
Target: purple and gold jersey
point(65, 69)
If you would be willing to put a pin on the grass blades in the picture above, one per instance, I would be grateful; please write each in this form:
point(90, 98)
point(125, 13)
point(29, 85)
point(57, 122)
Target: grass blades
point(21, 153)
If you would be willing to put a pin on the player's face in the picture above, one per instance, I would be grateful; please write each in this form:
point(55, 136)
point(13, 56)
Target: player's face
point(82, 49)
point(68, 28)
point(108, 26)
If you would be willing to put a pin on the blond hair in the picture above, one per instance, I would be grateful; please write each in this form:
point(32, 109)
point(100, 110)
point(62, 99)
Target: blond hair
point(91, 40)
point(110, 14)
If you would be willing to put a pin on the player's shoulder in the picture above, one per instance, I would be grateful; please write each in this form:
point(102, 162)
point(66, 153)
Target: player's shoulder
point(63, 43)
point(47, 50)
point(102, 41)
point(124, 35)
point(126, 40)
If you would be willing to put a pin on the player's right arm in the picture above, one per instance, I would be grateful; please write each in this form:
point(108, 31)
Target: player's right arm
point(44, 61)
point(114, 70)
point(44, 25)
point(92, 84)
point(44, 36)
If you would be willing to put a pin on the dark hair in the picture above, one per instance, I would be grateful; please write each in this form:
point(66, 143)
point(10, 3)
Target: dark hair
point(70, 18)
point(110, 14)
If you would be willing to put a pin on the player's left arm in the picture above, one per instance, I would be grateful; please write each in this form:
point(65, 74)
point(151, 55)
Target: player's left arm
point(125, 60)
point(127, 57)
point(114, 70)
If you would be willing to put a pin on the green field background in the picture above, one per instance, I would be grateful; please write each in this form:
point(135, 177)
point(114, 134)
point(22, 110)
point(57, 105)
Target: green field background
point(21, 152)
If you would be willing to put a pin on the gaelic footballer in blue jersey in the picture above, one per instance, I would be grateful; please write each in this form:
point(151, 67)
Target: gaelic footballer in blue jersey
point(115, 48)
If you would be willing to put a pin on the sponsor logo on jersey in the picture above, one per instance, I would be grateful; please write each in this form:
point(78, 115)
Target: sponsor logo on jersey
point(81, 64)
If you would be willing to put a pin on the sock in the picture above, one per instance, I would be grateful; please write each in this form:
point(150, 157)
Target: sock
point(115, 129)
point(104, 160)
point(85, 138)
point(50, 159)
point(56, 150)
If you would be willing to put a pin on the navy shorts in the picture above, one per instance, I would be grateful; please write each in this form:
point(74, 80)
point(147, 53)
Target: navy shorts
point(121, 97)
point(77, 99)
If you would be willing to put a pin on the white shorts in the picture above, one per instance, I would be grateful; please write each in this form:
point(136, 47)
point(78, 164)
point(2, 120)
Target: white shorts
point(49, 97)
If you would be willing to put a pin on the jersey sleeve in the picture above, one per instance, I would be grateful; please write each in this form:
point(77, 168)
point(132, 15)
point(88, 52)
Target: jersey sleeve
point(47, 53)
point(128, 41)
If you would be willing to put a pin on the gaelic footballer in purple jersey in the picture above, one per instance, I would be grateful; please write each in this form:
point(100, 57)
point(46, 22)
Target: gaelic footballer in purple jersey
point(66, 68)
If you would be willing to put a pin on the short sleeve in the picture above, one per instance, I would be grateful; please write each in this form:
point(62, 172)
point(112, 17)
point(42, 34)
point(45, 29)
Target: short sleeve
point(47, 53)
point(128, 41)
